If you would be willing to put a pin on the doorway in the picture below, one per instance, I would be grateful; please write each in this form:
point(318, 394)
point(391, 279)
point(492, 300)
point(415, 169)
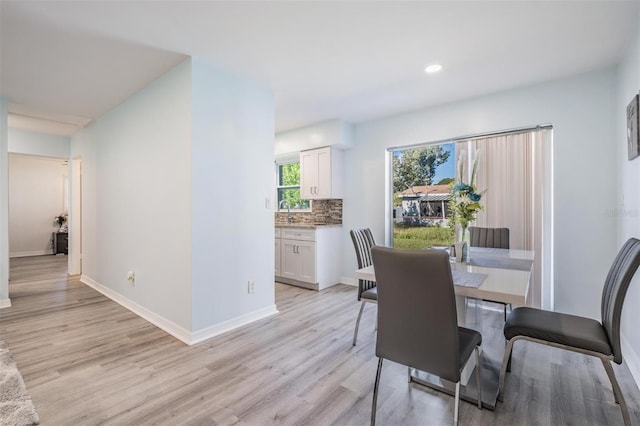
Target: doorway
point(45, 211)
point(38, 204)
point(75, 217)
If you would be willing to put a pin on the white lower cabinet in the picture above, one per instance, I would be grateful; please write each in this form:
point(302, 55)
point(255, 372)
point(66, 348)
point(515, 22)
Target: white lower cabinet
point(308, 258)
point(278, 264)
point(298, 260)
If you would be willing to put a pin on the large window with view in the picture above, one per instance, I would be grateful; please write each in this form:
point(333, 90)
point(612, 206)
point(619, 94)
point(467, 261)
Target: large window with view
point(289, 187)
point(422, 178)
point(496, 180)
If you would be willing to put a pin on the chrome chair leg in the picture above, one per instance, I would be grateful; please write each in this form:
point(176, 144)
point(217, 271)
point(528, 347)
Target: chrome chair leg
point(505, 360)
point(355, 333)
point(617, 392)
point(409, 374)
point(478, 372)
point(375, 392)
point(456, 406)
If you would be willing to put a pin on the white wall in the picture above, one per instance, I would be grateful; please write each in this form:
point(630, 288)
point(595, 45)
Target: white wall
point(174, 186)
point(328, 133)
point(627, 206)
point(232, 174)
point(36, 195)
point(33, 143)
point(136, 200)
point(581, 110)
point(4, 207)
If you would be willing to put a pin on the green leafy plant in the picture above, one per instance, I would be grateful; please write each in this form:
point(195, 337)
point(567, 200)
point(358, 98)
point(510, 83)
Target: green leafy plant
point(60, 219)
point(290, 176)
point(465, 197)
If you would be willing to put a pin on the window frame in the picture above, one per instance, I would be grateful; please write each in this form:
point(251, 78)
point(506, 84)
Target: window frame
point(279, 187)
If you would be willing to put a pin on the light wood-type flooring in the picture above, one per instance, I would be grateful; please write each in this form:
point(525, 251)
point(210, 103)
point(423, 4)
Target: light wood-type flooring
point(86, 360)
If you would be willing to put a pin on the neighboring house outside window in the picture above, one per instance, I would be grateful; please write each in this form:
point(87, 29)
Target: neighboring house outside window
point(288, 187)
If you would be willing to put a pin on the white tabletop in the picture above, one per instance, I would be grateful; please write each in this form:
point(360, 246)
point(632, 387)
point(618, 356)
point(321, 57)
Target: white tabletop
point(503, 253)
point(501, 285)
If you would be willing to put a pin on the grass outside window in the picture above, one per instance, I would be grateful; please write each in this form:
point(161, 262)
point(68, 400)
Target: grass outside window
point(420, 237)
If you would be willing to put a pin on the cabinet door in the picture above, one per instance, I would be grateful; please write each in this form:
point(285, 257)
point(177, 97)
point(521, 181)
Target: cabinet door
point(278, 258)
point(306, 252)
point(289, 266)
point(308, 174)
point(60, 243)
point(323, 185)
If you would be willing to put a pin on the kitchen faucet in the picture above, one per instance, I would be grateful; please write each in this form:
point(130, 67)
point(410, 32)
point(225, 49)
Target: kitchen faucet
point(289, 217)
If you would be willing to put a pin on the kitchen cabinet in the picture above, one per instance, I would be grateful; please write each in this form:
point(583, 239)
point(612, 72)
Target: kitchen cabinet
point(321, 174)
point(308, 257)
point(299, 260)
point(278, 259)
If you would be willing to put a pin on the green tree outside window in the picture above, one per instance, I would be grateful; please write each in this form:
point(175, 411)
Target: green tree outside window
point(289, 186)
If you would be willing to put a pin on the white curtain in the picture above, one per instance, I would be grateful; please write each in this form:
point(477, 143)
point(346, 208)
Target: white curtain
point(511, 175)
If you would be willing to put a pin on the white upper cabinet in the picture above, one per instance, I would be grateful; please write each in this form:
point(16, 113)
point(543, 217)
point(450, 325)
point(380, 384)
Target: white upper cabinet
point(321, 174)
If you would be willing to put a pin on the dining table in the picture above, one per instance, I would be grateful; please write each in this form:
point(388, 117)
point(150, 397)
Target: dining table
point(501, 275)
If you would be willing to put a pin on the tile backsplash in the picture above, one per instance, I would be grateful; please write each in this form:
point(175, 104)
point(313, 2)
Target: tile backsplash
point(323, 212)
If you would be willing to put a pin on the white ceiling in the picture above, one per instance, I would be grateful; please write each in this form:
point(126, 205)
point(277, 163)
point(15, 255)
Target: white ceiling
point(73, 61)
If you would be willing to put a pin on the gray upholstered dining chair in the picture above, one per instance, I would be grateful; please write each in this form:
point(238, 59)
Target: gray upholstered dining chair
point(491, 238)
point(417, 318)
point(367, 291)
point(579, 334)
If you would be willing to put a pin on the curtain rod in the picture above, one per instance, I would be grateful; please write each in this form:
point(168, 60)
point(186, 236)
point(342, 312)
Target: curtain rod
point(472, 137)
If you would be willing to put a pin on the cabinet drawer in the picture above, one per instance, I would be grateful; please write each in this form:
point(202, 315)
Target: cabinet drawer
point(298, 234)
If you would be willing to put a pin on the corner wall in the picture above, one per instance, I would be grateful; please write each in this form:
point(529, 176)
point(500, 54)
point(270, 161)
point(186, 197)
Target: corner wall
point(136, 201)
point(177, 185)
point(4, 206)
point(232, 177)
point(627, 203)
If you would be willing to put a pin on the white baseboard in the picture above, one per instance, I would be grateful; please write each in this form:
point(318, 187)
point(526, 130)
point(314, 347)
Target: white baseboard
point(159, 321)
point(5, 303)
point(30, 253)
point(223, 327)
point(349, 281)
point(180, 333)
point(631, 358)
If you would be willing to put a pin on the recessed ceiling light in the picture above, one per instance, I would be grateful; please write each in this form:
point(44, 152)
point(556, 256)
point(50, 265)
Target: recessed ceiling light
point(433, 68)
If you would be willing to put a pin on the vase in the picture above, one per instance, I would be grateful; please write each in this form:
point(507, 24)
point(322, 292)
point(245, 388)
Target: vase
point(464, 237)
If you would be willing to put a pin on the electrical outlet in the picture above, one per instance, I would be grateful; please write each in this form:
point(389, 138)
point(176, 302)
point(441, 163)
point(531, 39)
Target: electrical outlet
point(131, 276)
point(251, 287)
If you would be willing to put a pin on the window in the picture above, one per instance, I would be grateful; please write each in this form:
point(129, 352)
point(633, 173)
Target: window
point(289, 186)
